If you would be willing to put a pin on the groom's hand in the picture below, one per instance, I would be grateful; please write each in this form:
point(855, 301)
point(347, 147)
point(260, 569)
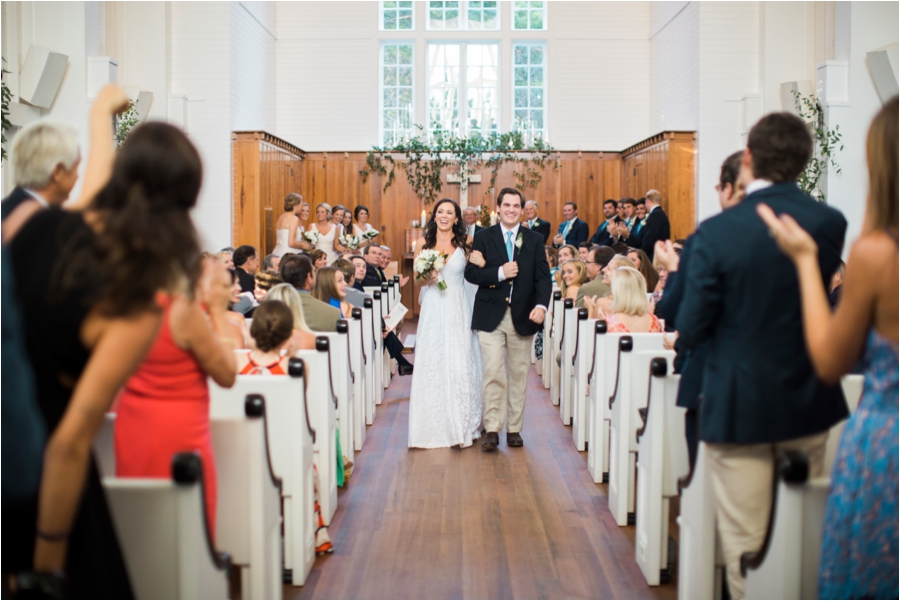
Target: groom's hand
point(537, 315)
point(510, 270)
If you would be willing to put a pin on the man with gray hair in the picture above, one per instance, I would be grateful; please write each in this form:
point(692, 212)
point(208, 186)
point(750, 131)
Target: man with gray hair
point(45, 158)
point(535, 223)
point(470, 216)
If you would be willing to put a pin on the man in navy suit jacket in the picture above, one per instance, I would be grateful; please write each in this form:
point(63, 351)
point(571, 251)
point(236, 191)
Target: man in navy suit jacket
point(573, 230)
point(604, 234)
point(742, 297)
point(535, 223)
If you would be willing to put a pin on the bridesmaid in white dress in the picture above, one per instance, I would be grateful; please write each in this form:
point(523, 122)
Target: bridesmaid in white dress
point(288, 226)
point(445, 399)
point(362, 225)
point(303, 214)
point(328, 233)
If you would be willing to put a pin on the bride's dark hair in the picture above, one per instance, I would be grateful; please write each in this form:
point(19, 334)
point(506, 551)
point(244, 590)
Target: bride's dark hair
point(460, 231)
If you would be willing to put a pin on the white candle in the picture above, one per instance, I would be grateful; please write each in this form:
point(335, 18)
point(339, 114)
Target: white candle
point(493, 218)
point(424, 217)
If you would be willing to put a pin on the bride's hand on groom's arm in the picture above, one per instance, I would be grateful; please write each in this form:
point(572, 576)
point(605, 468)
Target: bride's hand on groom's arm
point(476, 258)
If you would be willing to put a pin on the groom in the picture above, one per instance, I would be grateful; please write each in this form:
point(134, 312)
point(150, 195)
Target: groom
point(513, 291)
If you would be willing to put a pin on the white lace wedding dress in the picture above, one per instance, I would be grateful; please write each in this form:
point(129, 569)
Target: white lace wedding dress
point(445, 400)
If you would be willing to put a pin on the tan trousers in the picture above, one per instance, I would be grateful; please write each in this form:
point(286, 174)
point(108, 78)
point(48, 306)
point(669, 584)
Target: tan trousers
point(742, 483)
point(506, 356)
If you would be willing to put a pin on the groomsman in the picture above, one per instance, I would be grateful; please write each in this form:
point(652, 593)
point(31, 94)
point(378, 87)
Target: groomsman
point(573, 230)
point(604, 234)
point(535, 223)
point(470, 216)
point(657, 227)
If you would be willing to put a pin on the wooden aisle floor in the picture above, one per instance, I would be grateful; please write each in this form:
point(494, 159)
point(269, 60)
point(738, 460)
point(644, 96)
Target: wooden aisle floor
point(525, 523)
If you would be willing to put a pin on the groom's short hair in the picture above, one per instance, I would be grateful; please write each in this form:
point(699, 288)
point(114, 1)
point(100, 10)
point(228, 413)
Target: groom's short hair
point(780, 147)
point(513, 191)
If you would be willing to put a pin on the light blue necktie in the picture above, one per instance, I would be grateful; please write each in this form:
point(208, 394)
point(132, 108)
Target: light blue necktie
point(568, 227)
point(509, 245)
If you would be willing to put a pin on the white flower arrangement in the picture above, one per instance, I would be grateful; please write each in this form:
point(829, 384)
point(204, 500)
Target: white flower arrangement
point(369, 234)
point(429, 261)
point(311, 237)
point(349, 241)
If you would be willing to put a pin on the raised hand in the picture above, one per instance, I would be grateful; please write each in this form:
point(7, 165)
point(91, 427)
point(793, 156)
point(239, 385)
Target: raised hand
point(214, 286)
point(792, 239)
point(668, 258)
point(476, 258)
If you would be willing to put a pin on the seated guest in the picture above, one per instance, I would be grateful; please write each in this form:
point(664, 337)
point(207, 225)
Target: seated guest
point(319, 258)
point(628, 312)
point(566, 253)
point(859, 545)
point(374, 273)
point(271, 263)
point(470, 216)
point(551, 260)
point(573, 276)
point(272, 330)
point(573, 230)
point(604, 234)
point(265, 280)
point(354, 296)
point(594, 304)
point(658, 291)
point(598, 259)
point(645, 266)
point(303, 338)
point(360, 265)
point(246, 262)
point(239, 304)
point(225, 256)
point(332, 289)
point(386, 261)
point(678, 245)
point(760, 392)
point(299, 272)
point(583, 250)
point(164, 407)
point(834, 287)
point(535, 223)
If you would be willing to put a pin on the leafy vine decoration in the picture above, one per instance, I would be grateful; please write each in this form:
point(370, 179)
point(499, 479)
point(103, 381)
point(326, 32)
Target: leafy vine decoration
point(826, 143)
point(423, 157)
point(5, 123)
point(125, 122)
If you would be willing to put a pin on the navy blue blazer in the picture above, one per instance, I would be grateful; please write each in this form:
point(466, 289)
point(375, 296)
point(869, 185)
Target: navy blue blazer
point(577, 234)
point(742, 297)
point(15, 198)
point(602, 236)
point(657, 228)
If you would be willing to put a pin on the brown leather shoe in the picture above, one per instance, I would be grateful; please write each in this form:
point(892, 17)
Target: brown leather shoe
point(514, 439)
point(492, 441)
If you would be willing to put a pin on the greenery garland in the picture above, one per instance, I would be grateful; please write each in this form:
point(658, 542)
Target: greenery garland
point(125, 122)
point(826, 143)
point(423, 158)
point(5, 123)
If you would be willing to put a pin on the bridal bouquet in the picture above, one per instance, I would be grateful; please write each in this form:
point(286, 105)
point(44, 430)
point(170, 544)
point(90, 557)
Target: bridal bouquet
point(349, 241)
point(311, 237)
point(429, 261)
point(369, 234)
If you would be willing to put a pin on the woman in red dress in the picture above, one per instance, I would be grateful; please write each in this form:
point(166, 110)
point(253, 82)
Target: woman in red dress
point(164, 408)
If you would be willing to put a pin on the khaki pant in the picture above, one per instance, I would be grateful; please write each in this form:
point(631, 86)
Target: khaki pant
point(742, 484)
point(506, 356)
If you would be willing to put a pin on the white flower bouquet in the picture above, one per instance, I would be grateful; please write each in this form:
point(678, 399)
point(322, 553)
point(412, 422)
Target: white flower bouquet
point(428, 261)
point(349, 241)
point(369, 234)
point(311, 237)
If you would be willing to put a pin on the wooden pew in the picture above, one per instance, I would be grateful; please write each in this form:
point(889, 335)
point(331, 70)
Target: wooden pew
point(628, 395)
point(359, 359)
point(323, 407)
point(661, 460)
point(787, 565)
point(554, 345)
point(600, 379)
point(164, 534)
point(582, 361)
point(291, 438)
point(248, 520)
point(342, 380)
point(567, 345)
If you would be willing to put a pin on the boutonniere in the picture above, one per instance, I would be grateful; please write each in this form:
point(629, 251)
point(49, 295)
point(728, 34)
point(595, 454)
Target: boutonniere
point(519, 241)
point(537, 222)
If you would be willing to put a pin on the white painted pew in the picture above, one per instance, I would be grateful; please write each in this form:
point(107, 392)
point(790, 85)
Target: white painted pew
point(567, 346)
point(582, 361)
point(104, 447)
point(787, 566)
point(661, 460)
point(629, 394)
point(386, 361)
point(323, 406)
point(359, 358)
point(248, 520)
point(342, 381)
point(600, 379)
point(164, 535)
point(373, 366)
point(553, 347)
point(379, 307)
point(291, 439)
point(546, 370)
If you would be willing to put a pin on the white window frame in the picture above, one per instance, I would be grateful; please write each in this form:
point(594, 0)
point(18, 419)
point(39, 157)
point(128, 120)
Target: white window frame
point(381, 17)
point(462, 106)
point(512, 68)
point(381, 107)
point(463, 17)
point(512, 16)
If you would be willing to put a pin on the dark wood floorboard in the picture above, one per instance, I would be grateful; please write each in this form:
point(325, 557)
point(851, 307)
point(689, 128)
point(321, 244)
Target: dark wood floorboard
point(523, 523)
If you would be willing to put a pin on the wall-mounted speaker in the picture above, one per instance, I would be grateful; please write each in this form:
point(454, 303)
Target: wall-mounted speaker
point(804, 87)
point(142, 100)
point(883, 67)
point(41, 76)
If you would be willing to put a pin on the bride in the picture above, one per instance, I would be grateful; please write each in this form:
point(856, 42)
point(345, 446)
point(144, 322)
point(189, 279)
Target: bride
point(445, 400)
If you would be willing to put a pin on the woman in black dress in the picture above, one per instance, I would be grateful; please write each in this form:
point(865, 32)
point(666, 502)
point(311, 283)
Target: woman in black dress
point(87, 283)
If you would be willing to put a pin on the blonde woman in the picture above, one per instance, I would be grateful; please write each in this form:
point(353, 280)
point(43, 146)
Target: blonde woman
point(574, 276)
point(303, 217)
point(302, 338)
point(286, 239)
point(328, 233)
point(596, 305)
point(629, 312)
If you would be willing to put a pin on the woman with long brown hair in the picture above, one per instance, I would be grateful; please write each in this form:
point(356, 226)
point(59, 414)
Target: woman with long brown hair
point(859, 547)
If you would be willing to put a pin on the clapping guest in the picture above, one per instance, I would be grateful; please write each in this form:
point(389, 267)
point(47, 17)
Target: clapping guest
point(573, 276)
point(605, 231)
point(164, 407)
point(629, 312)
point(859, 546)
point(573, 230)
